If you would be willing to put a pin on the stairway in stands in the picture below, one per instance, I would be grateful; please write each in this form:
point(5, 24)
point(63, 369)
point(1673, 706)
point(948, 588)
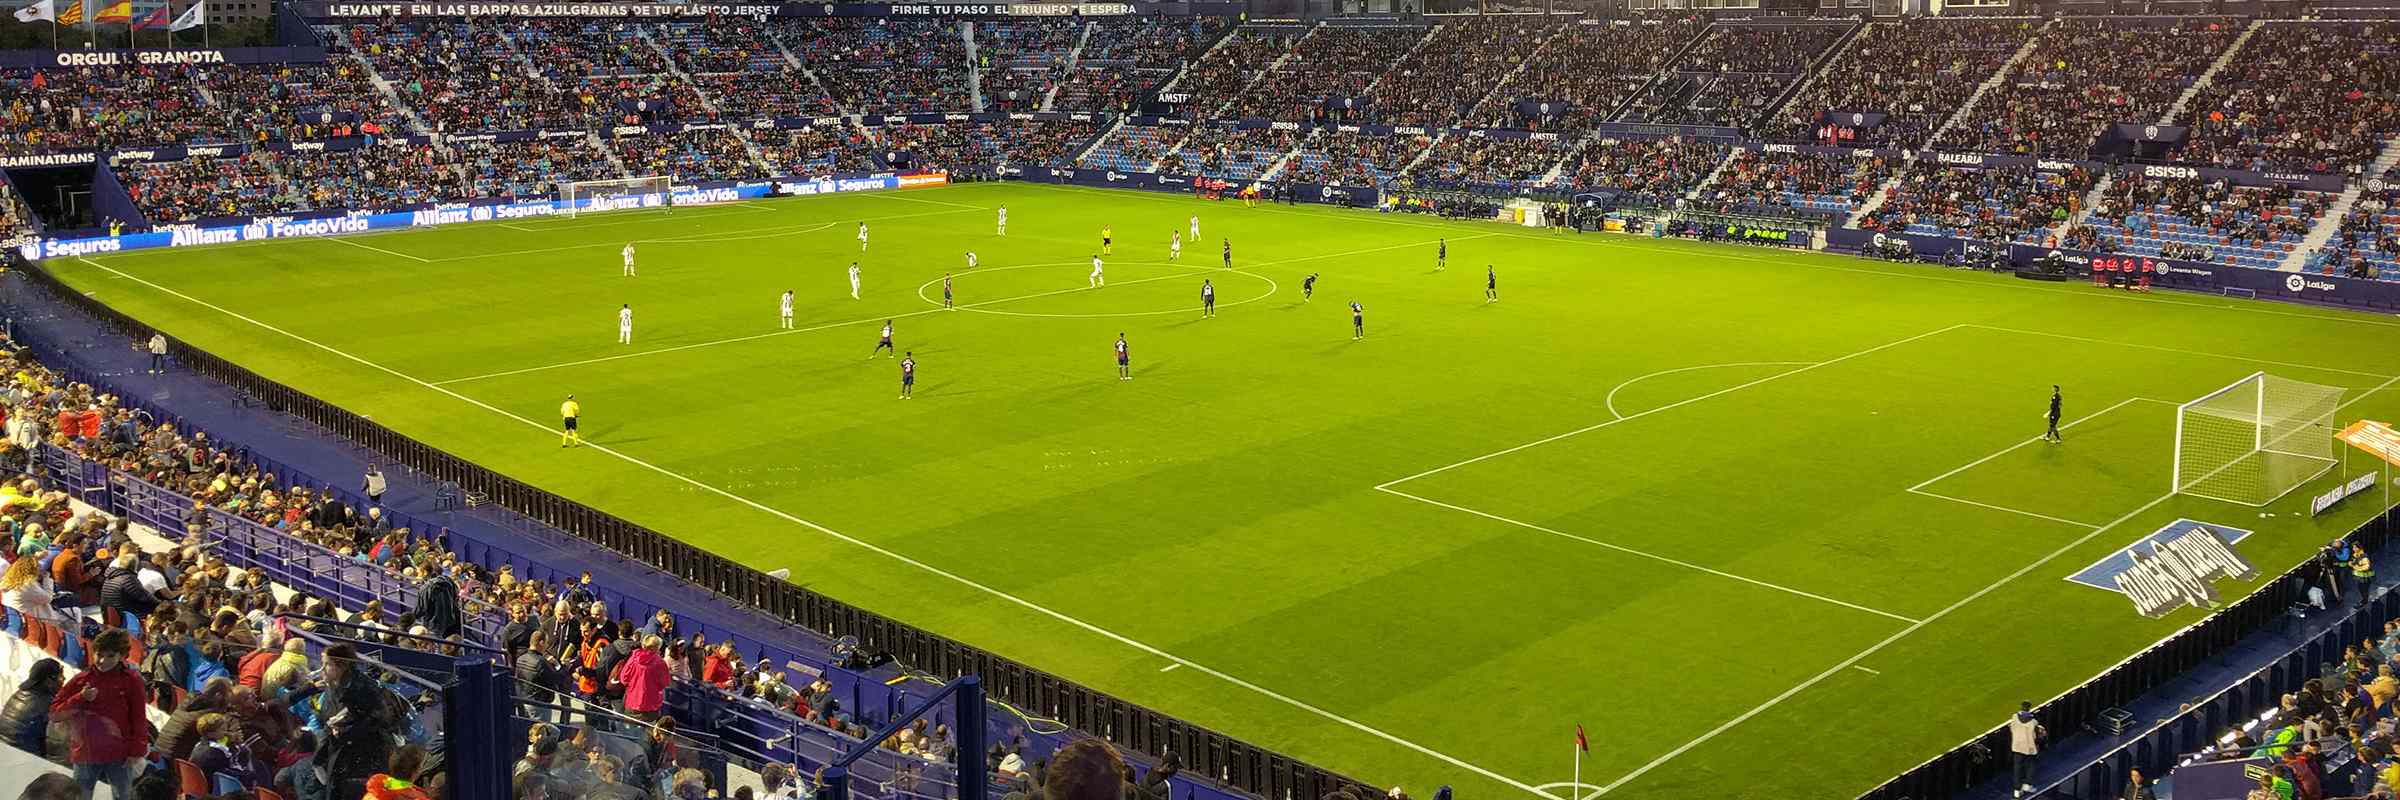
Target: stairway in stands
point(1074, 58)
point(2209, 78)
point(2331, 223)
point(1966, 110)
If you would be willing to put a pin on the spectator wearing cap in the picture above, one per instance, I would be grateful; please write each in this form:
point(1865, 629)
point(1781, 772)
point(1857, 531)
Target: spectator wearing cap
point(108, 735)
point(25, 720)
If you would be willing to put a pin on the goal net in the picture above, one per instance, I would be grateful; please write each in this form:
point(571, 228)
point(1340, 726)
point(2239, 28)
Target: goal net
point(583, 197)
point(2255, 440)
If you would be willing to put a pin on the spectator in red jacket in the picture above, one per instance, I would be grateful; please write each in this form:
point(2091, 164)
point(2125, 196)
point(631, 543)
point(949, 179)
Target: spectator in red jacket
point(718, 669)
point(251, 671)
point(108, 736)
point(644, 676)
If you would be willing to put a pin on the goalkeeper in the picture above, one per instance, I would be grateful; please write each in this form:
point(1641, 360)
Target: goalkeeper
point(2052, 417)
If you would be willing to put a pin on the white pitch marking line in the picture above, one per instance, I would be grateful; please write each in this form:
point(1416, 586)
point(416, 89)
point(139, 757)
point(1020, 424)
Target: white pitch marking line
point(1667, 407)
point(2013, 448)
point(1649, 555)
point(2174, 350)
point(1169, 667)
point(1864, 669)
point(872, 547)
point(1879, 646)
point(418, 259)
point(1611, 402)
point(2018, 511)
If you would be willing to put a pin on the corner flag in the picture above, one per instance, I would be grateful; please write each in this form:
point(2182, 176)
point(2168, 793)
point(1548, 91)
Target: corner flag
point(1582, 743)
point(44, 11)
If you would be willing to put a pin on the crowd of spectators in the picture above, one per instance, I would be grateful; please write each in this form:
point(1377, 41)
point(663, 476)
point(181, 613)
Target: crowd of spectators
point(1462, 160)
point(1229, 153)
point(1914, 71)
point(194, 188)
point(1353, 159)
point(1460, 63)
point(1793, 184)
point(69, 109)
point(2084, 74)
point(1328, 74)
point(15, 218)
point(455, 76)
point(1647, 172)
point(1584, 72)
point(1127, 59)
point(2239, 225)
point(531, 167)
point(2367, 245)
point(1217, 81)
point(1038, 143)
point(815, 150)
point(1019, 62)
point(1134, 147)
point(701, 154)
point(882, 65)
point(266, 182)
point(2300, 97)
point(1997, 204)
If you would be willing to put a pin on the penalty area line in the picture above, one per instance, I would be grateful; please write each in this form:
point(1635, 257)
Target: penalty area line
point(953, 577)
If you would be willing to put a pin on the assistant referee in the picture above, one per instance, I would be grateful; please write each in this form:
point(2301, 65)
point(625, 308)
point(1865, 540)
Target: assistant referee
point(568, 411)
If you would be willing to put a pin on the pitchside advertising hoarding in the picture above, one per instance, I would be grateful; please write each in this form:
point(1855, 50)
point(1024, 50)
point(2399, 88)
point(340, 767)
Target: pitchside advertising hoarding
point(2175, 566)
point(338, 223)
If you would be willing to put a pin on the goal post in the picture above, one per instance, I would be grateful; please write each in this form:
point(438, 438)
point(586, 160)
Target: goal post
point(653, 191)
point(2255, 440)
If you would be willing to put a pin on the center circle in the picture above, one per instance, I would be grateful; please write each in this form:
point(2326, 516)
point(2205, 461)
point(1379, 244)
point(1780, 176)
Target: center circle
point(985, 306)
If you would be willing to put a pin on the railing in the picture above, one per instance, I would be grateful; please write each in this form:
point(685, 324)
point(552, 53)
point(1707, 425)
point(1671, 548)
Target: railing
point(1233, 762)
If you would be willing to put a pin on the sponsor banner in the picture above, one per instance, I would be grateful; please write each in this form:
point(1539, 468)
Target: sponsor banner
point(44, 59)
point(2374, 437)
point(1855, 120)
point(322, 9)
point(1821, 150)
point(49, 160)
point(2137, 132)
point(2175, 566)
point(1650, 131)
point(332, 223)
point(2296, 180)
point(2334, 496)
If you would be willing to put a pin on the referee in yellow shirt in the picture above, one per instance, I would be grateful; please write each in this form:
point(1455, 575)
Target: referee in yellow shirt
point(568, 411)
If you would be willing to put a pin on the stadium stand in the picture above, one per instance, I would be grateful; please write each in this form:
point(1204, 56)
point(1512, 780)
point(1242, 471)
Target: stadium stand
point(2059, 98)
point(1353, 159)
point(1585, 72)
point(737, 65)
point(1039, 143)
point(1021, 61)
point(1461, 61)
point(1465, 160)
point(2279, 106)
point(15, 219)
point(1216, 80)
point(2367, 245)
point(1220, 151)
point(531, 167)
point(814, 151)
point(1915, 71)
point(1999, 204)
point(2204, 220)
point(1651, 173)
point(1124, 61)
point(1822, 186)
point(444, 70)
point(74, 109)
point(1133, 147)
point(1731, 76)
point(262, 182)
point(1328, 74)
point(887, 66)
point(704, 154)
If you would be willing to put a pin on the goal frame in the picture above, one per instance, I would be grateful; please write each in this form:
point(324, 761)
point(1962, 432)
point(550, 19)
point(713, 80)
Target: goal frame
point(2256, 384)
point(572, 194)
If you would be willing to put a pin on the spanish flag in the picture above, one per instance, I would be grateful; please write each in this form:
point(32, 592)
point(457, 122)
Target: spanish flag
point(119, 12)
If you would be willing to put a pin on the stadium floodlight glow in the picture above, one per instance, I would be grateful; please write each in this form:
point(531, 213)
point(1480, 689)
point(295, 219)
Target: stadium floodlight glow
point(2255, 440)
point(651, 191)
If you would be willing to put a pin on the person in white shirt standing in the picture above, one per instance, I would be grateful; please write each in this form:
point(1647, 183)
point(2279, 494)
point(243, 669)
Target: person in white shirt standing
point(1195, 227)
point(158, 353)
point(1097, 280)
point(853, 280)
point(1175, 247)
point(787, 309)
point(625, 324)
point(862, 237)
point(629, 259)
point(1003, 221)
point(2025, 734)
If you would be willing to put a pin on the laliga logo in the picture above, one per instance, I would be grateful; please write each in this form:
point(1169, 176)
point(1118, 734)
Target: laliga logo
point(2295, 283)
point(1879, 242)
point(1325, 192)
point(1114, 176)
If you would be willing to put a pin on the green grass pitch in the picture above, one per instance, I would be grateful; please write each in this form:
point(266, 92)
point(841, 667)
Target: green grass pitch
point(1706, 501)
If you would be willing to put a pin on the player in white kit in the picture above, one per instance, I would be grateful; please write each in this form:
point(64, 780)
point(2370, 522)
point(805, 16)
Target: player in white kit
point(1097, 280)
point(1175, 247)
point(970, 259)
point(787, 309)
point(862, 237)
point(1195, 227)
point(853, 280)
point(1004, 220)
point(625, 324)
point(628, 259)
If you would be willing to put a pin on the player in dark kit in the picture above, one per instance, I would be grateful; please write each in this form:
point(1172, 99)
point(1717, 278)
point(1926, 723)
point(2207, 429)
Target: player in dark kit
point(1491, 284)
point(1229, 254)
point(2052, 416)
point(908, 375)
point(1208, 299)
point(1124, 359)
point(1358, 321)
point(1441, 255)
point(1308, 287)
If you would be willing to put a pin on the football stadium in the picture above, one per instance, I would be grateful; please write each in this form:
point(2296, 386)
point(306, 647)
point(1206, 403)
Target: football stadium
point(1338, 401)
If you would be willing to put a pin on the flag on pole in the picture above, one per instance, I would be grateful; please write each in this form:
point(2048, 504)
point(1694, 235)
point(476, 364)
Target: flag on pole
point(1581, 743)
point(72, 14)
point(157, 18)
point(117, 12)
point(191, 17)
point(43, 11)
